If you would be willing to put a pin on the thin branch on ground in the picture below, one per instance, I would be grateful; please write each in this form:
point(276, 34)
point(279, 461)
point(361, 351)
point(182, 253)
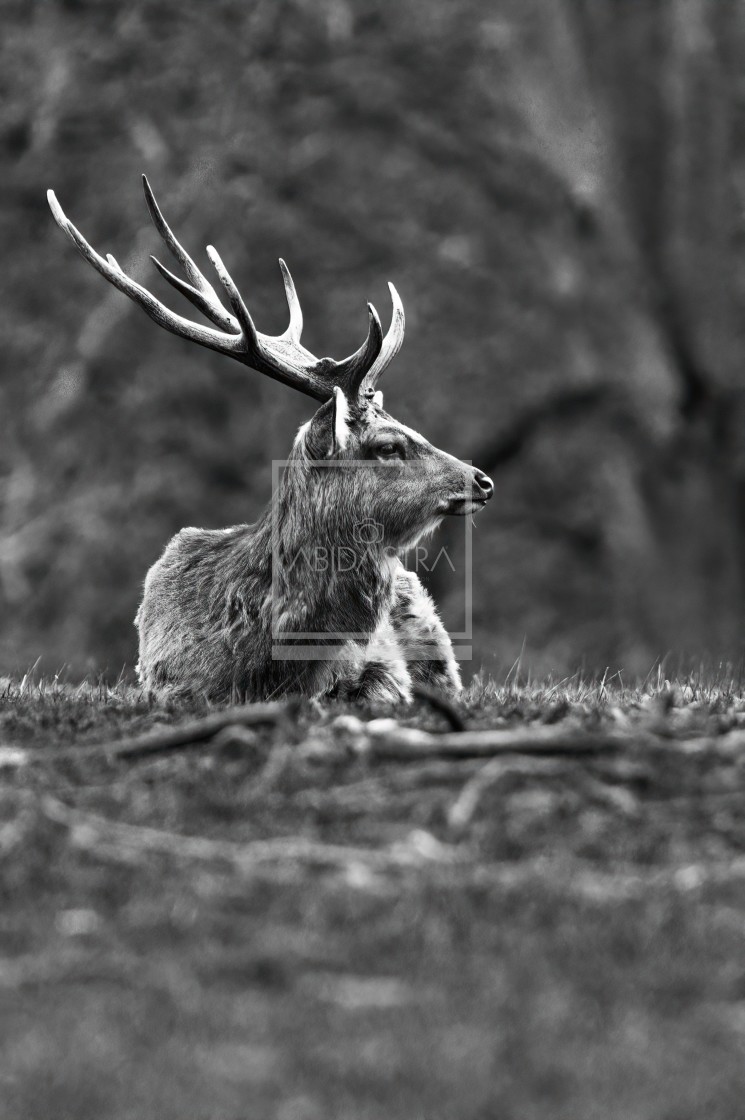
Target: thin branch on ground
point(103, 836)
point(387, 741)
point(181, 736)
point(491, 774)
point(441, 704)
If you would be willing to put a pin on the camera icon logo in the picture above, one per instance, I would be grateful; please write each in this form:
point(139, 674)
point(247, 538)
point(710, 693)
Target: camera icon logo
point(368, 531)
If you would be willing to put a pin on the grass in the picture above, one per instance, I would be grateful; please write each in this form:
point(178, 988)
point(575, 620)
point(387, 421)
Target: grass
point(574, 946)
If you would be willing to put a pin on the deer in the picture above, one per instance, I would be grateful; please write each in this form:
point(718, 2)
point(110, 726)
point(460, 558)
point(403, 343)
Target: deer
point(248, 612)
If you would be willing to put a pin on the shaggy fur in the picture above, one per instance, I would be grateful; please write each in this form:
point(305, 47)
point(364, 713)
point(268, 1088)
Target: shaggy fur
point(345, 509)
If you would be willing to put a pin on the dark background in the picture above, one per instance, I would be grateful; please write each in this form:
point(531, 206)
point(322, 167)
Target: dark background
point(555, 188)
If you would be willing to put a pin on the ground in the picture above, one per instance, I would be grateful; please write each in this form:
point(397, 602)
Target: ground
point(283, 922)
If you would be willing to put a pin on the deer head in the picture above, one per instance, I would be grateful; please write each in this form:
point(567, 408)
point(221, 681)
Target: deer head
point(382, 472)
point(413, 486)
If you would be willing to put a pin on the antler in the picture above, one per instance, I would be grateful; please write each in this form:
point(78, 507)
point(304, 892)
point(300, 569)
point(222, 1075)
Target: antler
point(281, 357)
point(392, 343)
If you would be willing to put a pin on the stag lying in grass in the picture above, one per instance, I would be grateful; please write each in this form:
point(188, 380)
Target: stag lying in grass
point(249, 611)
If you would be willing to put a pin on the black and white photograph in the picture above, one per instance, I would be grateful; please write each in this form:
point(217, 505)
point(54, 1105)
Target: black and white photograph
point(372, 560)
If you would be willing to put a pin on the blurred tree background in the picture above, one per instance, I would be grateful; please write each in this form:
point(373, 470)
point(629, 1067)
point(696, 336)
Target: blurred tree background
point(555, 188)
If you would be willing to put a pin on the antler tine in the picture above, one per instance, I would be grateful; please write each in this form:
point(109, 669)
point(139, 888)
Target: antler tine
point(392, 343)
point(350, 373)
point(295, 329)
point(199, 292)
point(176, 324)
point(165, 231)
point(213, 310)
point(196, 277)
point(250, 334)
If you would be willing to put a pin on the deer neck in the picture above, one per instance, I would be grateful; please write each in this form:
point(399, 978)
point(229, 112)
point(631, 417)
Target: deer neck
point(330, 574)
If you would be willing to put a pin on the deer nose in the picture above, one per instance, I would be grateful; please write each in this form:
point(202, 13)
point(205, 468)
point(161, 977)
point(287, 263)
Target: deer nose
point(484, 483)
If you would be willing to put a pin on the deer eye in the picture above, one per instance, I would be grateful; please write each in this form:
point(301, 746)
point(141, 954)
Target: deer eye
point(389, 451)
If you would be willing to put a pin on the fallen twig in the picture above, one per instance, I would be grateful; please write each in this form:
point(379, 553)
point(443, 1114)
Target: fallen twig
point(441, 704)
point(492, 773)
point(463, 809)
point(180, 736)
point(102, 835)
point(386, 740)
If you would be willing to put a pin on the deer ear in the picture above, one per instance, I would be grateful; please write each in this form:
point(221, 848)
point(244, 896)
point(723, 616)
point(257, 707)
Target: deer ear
point(339, 422)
